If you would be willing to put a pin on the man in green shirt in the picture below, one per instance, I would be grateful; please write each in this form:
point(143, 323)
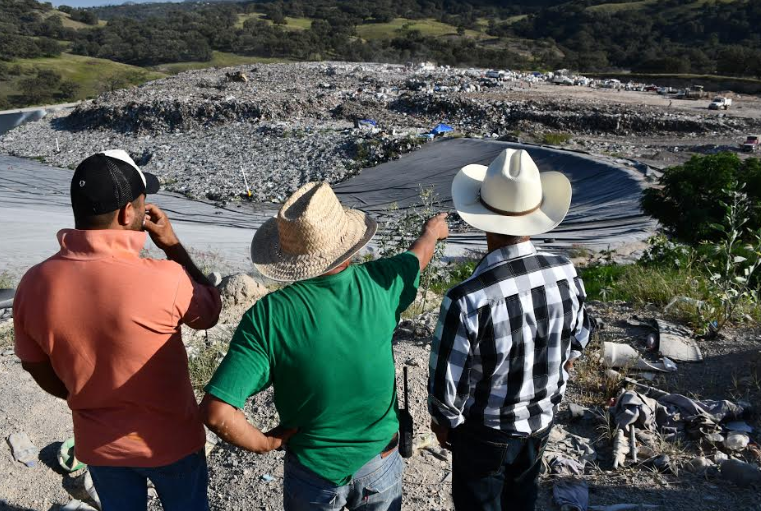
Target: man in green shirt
point(324, 343)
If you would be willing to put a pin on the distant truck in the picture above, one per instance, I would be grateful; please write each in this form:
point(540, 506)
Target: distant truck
point(695, 92)
point(751, 144)
point(720, 103)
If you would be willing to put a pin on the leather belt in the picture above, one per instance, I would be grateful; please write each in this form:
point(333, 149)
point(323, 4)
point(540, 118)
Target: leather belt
point(393, 444)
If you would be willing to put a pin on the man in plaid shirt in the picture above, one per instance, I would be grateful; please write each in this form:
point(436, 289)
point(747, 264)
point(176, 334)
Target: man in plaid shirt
point(506, 337)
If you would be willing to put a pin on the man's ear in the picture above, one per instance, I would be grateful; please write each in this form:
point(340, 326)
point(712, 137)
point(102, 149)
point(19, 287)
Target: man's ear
point(126, 215)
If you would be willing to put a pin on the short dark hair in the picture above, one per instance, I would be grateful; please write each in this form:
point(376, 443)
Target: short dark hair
point(97, 222)
point(93, 222)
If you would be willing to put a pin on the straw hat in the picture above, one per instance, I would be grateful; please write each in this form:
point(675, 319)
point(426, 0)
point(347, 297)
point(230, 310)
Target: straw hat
point(311, 235)
point(510, 196)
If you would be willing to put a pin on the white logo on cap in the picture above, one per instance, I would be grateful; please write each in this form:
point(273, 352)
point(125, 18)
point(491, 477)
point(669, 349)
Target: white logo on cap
point(82, 184)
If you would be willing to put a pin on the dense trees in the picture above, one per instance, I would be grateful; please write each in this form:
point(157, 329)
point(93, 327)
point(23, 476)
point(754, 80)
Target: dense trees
point(668, 36)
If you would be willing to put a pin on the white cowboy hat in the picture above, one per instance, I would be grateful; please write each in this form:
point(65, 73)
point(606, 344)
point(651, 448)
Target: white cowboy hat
point(311, 235)
point(510, 196)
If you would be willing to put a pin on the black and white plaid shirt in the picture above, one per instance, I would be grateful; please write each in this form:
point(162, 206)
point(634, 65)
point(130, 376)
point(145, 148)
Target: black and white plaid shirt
point(502, 340)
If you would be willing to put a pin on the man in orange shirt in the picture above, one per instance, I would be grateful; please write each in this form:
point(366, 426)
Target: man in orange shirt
point(100, 327)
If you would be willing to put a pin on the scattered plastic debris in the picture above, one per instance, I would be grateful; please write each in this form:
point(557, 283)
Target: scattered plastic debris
point(66, 458)
point(90, 488)
point(23, 449)
point(740, 426)
point(676, 343)
point(685, 300)
point(736, 441)
point(78, 505)
point(622, 355)
point(267, 478)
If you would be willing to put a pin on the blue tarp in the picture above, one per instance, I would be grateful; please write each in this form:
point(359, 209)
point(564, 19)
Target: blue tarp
point(368, 122)
point(442, 128)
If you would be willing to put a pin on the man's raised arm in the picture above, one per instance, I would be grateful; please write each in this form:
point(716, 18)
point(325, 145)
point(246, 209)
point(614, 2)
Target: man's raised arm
point(434, 230)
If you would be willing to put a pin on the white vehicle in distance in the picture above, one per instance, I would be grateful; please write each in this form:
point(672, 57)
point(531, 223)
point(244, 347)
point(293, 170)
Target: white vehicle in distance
point(720, 103)
point(497, 75)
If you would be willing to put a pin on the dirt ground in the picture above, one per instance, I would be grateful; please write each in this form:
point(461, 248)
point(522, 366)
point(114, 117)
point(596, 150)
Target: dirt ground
point(243, 481)
point(658, 151)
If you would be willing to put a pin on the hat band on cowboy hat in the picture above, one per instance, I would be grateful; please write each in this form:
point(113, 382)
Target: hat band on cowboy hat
point(508, 213)
point(511, 196)
point(311, 235)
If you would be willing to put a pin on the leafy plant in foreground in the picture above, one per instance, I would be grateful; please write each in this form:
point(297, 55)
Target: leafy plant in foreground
point(734, 264)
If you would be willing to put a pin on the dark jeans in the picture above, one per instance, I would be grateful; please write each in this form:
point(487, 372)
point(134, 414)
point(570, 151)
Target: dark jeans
point(181, 486)
point(492, 471)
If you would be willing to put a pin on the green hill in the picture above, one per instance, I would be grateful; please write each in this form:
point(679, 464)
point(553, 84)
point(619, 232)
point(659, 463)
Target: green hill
point(707, 37)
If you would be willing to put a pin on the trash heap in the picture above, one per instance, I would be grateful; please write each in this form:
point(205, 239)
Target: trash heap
point(285, 124)
point(642, 421)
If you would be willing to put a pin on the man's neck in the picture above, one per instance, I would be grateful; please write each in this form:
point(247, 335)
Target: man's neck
point(497, 241)
point(341, 268)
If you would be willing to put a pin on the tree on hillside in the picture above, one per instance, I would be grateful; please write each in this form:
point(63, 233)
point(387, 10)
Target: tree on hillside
point(41, 87)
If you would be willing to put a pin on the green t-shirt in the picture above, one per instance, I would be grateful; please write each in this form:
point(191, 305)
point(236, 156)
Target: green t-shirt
point(325, 345)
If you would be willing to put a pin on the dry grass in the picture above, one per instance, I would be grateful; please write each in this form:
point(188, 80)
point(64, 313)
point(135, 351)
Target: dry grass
point(595, 388)
point(203, 364)
point(6, 338)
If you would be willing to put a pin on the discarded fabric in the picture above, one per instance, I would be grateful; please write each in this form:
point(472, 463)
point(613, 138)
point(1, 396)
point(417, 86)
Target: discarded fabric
point(571, 495)
point(562, 466)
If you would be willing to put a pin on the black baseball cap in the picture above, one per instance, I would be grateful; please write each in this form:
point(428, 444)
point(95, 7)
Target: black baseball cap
point(107, 181)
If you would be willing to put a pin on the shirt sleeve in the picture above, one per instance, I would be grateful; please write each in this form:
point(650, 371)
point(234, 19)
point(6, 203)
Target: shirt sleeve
point(583, 329)
point(400, 275)
point(26, 348)
point(245, 369)
point(449, 367)
point(197, 305)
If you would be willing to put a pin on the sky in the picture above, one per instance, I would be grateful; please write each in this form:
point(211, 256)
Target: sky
point(97, 3)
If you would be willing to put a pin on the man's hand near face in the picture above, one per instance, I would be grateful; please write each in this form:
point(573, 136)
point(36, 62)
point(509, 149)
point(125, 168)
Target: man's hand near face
point(159, 227)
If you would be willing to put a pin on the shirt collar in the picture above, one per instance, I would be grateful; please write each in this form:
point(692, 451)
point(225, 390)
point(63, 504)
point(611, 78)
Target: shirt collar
point(504, 254)
point(92, 244)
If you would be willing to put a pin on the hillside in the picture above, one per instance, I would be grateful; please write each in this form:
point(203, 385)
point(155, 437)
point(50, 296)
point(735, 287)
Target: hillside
point(643, 36)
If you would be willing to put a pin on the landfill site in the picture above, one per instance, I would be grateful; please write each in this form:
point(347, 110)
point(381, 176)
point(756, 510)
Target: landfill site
point(229, 145)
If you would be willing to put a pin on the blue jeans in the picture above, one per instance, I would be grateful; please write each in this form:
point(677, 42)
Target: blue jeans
point(181, 486)
point(495, 472)
point(377, 486)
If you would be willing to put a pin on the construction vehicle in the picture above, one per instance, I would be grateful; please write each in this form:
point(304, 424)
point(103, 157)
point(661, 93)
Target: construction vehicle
point(695, 92)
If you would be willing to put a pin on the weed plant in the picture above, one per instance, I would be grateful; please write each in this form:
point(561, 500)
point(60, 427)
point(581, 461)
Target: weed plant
point(403, 228)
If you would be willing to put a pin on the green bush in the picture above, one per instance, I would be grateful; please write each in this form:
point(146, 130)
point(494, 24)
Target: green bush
point(556, 138)
point(689, 202)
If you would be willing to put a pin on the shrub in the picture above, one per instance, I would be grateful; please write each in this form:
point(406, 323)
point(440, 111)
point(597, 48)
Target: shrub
point(556, 138)
point(690, 198)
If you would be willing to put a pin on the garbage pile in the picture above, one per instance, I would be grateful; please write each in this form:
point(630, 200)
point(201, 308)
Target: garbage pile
point(286, 124)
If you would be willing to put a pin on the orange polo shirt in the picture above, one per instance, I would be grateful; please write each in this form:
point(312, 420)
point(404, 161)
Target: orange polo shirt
point(109, 322)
